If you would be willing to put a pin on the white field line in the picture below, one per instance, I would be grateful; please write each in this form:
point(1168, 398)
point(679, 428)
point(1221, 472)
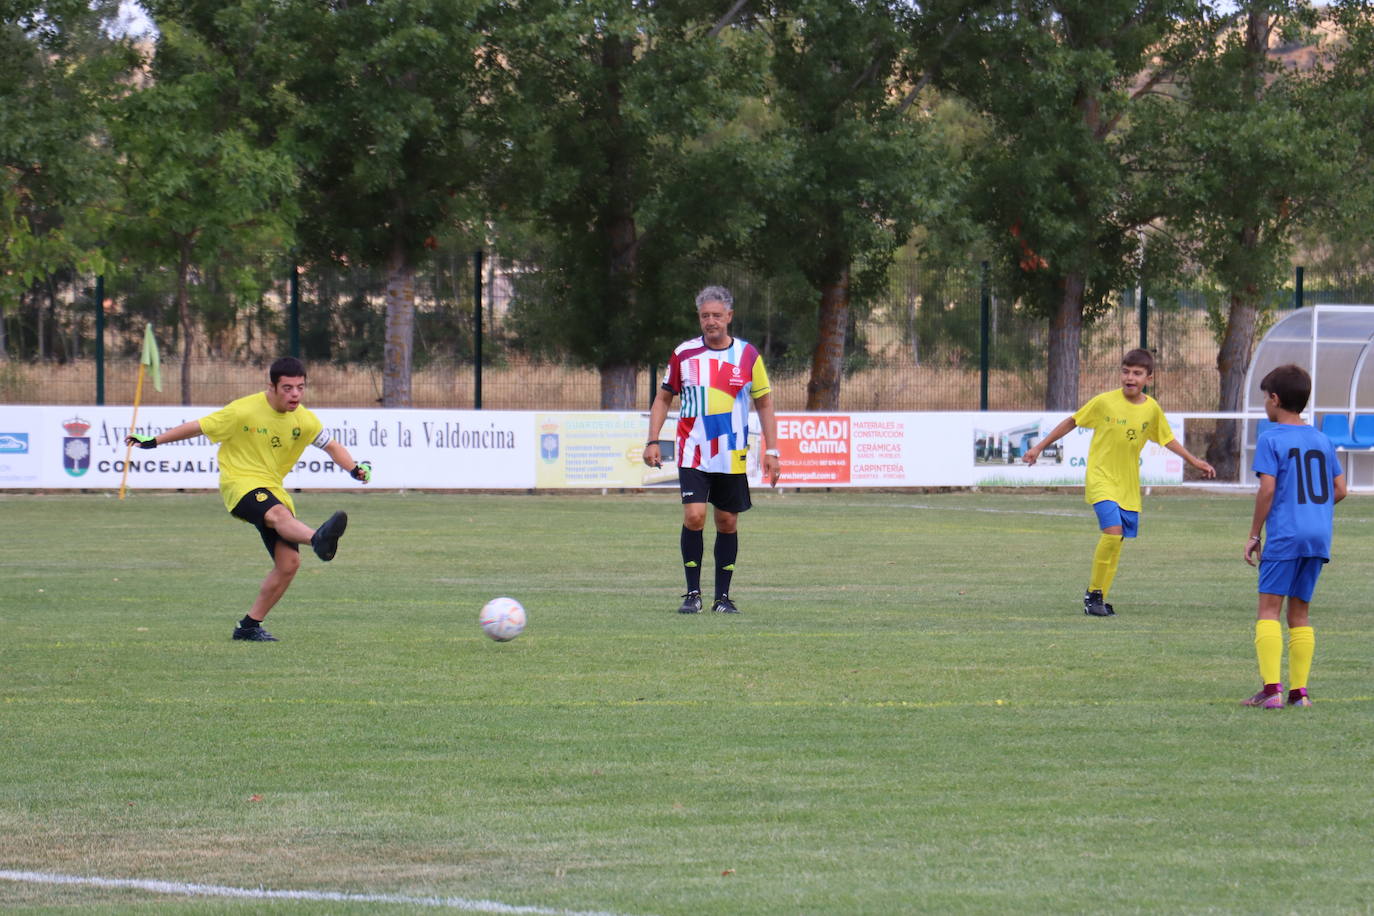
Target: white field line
point(1085, 512)
point(252, 893)
point(1060, 513)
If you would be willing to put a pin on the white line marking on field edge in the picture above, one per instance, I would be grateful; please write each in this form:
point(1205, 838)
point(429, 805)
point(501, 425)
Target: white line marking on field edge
point(251, 893)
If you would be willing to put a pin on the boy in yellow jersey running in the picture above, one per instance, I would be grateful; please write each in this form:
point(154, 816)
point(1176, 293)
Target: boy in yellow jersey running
point(261, 438)
point(1121, 421)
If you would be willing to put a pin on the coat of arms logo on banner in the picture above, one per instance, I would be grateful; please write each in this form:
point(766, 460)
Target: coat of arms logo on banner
point(76, 447)
point(548, 442)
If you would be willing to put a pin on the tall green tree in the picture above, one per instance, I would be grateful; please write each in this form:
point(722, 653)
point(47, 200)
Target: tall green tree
point(851, 165)
point(387, 125)
point(1264, 153)
point(197, 184)
point(1350, 239)
point(1059, 185)
point(57, 63)
point(621, 170)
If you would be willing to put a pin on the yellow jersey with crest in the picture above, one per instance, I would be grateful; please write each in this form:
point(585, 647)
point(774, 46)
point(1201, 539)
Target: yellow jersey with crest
point(1120, 430)
point(259, 445)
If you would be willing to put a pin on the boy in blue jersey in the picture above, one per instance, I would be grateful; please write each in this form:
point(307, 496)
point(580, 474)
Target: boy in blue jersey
point(1300, 482)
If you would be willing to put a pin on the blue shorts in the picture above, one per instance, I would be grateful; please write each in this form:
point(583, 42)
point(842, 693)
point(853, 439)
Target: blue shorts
point(1290, 578)
point(1110, 515)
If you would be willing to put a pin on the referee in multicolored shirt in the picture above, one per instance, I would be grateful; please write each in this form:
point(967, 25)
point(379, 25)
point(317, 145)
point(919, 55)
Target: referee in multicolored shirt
point(717, 377)
point(261, 438)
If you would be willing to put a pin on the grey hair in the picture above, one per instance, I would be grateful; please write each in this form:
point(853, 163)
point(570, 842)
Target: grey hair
point(716, 294)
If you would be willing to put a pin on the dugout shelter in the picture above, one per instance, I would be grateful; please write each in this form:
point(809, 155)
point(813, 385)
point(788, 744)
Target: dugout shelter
point(1335, 344)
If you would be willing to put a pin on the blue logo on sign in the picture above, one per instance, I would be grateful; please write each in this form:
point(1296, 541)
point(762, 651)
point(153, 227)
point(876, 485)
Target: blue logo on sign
point(14, 443)
point(548, 447)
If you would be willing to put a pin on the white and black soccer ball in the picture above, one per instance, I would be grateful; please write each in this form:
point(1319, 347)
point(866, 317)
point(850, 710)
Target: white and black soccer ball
point(502, 619)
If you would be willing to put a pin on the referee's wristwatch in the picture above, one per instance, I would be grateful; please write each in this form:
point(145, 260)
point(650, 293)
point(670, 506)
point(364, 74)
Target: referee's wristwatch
point(772, 453)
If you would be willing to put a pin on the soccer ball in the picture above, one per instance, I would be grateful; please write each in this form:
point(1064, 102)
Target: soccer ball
point(502, 619)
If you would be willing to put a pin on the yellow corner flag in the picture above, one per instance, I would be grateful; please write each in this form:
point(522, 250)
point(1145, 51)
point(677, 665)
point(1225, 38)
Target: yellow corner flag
point(150, 356)
point(148, 361)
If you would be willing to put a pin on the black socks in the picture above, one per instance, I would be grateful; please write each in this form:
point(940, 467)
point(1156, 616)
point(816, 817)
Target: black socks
point(693, 547)
point(727, 549)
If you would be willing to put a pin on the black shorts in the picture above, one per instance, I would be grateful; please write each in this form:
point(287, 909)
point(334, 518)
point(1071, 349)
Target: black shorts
point(253, 510)
point(727, 492)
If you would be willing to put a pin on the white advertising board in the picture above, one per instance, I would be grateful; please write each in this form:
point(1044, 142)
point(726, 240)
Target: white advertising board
point(84, 447)
point(47, 447)
point(1000, 439)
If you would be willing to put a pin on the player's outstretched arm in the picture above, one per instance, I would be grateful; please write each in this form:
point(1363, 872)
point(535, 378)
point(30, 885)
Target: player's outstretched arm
point(188, 430)
point(1177, 448)
point(360, 471)
point(658, 415)
point(1059, 432)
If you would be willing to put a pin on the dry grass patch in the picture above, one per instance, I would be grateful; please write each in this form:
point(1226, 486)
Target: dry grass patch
point(542, 387)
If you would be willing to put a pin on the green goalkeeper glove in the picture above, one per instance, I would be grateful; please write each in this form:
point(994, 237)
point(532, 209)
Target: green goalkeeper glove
point(141, 441)
point(362, 471)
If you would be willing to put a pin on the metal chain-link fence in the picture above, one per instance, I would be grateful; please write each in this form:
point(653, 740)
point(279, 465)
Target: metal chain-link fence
point(918, 345)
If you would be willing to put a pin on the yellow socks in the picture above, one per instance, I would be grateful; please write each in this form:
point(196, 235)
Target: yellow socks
point(1105, 560)
point(1302, 643)
point(1269, 651)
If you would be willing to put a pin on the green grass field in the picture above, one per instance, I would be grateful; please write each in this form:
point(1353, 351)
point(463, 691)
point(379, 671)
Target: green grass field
point(911, 715)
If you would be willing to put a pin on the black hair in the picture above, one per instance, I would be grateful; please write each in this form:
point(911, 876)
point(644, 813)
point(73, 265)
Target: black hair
point(1291, 384)
point(1138, 357)
point(286, 367)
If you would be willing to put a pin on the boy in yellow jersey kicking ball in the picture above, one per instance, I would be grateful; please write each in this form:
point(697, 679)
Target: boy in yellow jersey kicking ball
point(1121, 421)
point(261, 438)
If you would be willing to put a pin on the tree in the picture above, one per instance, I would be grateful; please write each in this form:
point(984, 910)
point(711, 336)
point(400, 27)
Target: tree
point(850, 170)
point(197, 185)
point(1264, 152)
point(56, 65)
point(386, 115)
point(1349, 238)
point(1059, 185)
point(618, 119)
